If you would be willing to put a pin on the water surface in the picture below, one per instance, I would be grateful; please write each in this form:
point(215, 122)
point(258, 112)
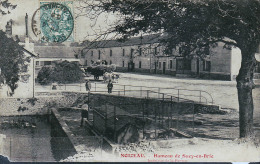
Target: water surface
point(33, 139)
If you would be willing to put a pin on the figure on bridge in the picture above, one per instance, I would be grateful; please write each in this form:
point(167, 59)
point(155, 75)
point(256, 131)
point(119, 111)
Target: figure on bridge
point(110, 86)
point(88, 85)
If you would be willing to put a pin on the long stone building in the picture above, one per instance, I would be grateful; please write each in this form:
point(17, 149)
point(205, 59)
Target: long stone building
point(144, 54)
point(141, 54)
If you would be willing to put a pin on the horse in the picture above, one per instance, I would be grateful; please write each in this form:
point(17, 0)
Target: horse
point(110, 76)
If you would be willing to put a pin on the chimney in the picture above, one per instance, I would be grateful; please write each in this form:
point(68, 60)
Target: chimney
point(26, 25)
point(8, 28)
point(27, 45)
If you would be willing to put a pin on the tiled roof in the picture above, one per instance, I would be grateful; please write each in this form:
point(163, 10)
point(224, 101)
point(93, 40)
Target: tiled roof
point(148, 39)
point(56, 51)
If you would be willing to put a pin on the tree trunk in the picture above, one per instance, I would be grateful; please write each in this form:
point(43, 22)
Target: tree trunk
point(245, 85)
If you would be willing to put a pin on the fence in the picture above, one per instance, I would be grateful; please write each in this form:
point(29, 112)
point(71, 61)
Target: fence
point(135, 91)
point(150, 118)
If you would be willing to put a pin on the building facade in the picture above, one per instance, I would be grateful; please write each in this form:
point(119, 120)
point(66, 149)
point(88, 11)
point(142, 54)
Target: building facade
point(48, 54)
point(145, 55)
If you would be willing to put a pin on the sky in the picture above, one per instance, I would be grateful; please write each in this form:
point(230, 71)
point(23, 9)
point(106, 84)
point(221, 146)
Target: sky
point(83, 29)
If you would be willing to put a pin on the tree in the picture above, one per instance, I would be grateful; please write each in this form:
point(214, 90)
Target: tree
point(67, 72)
point(194, 26)
point(5, 7)
point(44, 74)
point(61, 72)
point(12, 59)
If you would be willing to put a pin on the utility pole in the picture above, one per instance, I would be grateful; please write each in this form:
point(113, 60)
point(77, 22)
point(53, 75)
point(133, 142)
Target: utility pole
point(33, 77)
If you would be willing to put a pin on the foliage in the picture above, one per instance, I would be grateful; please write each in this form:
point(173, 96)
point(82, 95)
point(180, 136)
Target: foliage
point(12, 61)
point(32, 101)
point(11, 54)
point(61, 72)
point(5, 7)
point(44, 75)
point(194, 27)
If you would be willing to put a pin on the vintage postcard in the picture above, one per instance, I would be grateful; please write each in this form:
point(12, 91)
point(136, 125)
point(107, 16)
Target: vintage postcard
point(130, 80)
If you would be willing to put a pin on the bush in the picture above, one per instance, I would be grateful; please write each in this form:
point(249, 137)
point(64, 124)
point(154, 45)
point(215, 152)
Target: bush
point(61, 72)
point(44, 75)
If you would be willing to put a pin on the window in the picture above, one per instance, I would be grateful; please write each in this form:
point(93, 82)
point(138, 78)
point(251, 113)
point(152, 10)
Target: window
point(140, 64)
point(132, 53)
point(206, 65)
point(123, 52)
point(92, 53)
point(123, 63)
point(99, 53)
point(111, 52)
point(140, 51)
point(170, 64)
point(47, 63)
point(37, 63)
point(160, 65)
point(86, 62)
point(155, 50)
point(110, 62)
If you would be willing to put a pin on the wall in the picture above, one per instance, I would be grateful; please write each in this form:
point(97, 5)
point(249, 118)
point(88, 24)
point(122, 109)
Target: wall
point(99, 122)
point(10, 106)
point(117, 57)
point(236, 62)
point(147, 58)
point(220, 60)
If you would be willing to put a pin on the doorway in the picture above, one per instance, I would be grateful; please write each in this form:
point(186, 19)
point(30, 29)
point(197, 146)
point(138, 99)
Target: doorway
point(198, 67)
point(164, 67)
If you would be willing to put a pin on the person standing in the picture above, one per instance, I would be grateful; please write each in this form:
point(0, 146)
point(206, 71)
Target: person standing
point(88, 85)
point(110, 86)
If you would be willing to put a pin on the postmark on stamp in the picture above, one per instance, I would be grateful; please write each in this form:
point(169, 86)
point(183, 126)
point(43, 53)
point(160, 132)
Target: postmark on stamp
point(56, 22)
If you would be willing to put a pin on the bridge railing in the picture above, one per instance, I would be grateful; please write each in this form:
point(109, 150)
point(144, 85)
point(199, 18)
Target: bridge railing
point(199, 96)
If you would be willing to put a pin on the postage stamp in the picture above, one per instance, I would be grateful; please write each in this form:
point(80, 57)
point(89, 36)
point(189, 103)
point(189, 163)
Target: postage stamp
point(54, 22)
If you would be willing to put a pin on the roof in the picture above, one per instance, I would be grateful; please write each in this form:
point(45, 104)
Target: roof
point(147, 39)
point(30, 53)
point(55, 51)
